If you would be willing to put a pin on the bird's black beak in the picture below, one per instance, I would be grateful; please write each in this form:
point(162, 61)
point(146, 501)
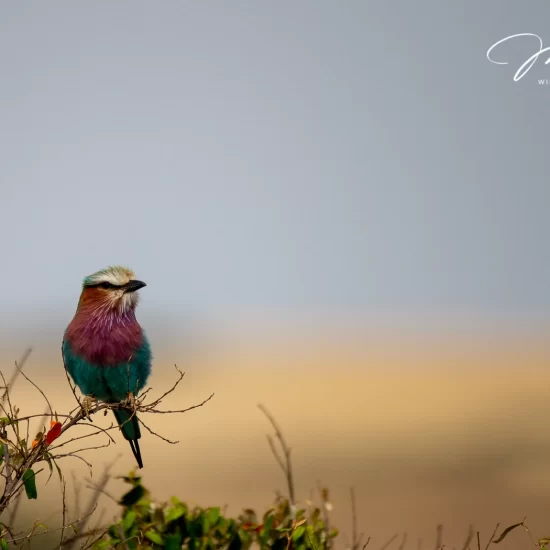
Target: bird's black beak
point(133, 285)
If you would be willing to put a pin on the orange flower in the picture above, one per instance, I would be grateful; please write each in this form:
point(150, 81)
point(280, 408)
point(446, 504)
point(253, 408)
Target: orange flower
point(53, 433)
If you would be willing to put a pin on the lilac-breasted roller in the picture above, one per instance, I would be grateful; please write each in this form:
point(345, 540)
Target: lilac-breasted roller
point(105, 350)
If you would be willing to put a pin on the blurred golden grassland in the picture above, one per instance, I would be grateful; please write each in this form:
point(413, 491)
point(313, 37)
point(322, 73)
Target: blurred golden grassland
point(450, 429)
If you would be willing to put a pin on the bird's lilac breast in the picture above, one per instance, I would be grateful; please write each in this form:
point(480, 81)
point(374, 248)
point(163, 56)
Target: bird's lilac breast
point(107, 343)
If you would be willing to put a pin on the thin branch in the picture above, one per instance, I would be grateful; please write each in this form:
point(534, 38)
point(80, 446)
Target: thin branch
point(355, 540)
point(98, 489)
point(469, 538)
point(72, 455)
point(123, 541)
point(524, 524)
point(16, 372)
point(166, 393)
point(7, 461)
point(275, 452)
point(11, 414)
point(85, 449)
point(33, 534)
point(16, 503)
point(287, 466)
point(142, 395)
point(76, 489)
point(439, 536)
point(64, 514)
point(71, 540)
point(97, 432)
point(148, 409)
point(31, 416)
point(384, 546)
point(31, 382)
point(156, 434)
point(93, 499)
point(323, 493)
point(492, 536)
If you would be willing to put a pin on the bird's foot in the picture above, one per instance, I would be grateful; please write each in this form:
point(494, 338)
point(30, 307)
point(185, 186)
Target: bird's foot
point(131, 401)
point(87, 404)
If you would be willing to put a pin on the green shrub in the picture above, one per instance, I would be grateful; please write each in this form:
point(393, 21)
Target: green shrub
point(147, 524)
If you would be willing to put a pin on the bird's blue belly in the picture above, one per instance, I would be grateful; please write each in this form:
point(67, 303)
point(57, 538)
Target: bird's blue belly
point(112, 383)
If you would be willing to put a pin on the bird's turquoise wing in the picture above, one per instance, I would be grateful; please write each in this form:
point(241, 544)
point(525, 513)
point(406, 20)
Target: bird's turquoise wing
point(129, 377)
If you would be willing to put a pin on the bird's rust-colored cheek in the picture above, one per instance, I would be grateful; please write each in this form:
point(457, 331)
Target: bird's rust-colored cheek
point(98, 298)
point(92, 295)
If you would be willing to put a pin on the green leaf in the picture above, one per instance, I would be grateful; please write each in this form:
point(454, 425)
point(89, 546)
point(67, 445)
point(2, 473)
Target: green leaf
point(4, 544)
point(128, 520)
point(298, 532)
point(102, 545)
point(173, 542)
point(279, 544)
point(50, 466)
point(155, 537)
point(195, 528)
point(30, 483)
point(131, 479)
point(175, 513)
point(51, 462)
point(212, 516)
point(231, 525)
point(132, 496)
point(266, 531)
point(58, 471)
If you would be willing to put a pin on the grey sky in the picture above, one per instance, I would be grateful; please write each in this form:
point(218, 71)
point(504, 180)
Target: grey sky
point(350, 156)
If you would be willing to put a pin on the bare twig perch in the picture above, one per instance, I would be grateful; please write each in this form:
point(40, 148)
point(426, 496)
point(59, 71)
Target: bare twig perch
point(18, 455)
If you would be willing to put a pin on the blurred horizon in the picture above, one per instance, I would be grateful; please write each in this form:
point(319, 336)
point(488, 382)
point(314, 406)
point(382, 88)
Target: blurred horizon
point(459, 425)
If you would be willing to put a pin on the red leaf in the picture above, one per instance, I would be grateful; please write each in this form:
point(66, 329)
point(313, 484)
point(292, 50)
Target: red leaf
point(54, 432)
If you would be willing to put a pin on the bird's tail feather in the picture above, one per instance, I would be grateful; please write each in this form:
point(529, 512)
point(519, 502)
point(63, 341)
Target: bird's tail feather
point(129, 426)
point(134, 444)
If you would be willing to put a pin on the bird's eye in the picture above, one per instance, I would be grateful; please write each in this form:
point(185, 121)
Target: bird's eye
point(105, 285)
